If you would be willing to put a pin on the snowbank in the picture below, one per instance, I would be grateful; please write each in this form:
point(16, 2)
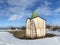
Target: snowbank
point(8, 39)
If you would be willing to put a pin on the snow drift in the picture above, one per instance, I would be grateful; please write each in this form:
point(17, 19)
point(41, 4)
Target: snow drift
point(8, 39)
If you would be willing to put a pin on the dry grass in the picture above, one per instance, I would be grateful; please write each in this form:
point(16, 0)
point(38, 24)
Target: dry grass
point(19, 34)
point(22, 35)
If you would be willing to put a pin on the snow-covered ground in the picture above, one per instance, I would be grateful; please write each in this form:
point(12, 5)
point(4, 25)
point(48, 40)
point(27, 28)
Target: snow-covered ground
point(8, 39)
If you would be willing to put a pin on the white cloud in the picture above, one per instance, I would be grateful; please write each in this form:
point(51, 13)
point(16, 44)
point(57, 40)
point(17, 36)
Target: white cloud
point(19, 17)
point(44, 11)
point(45, 4)
point(21, 2)
point(14, 17)
point(47, 11)
point(20, 9)
point(57, 10)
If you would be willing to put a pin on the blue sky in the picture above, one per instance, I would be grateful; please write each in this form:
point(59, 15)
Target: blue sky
point(15, 12)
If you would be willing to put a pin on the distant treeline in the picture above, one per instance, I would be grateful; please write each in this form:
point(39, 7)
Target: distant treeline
point(24, 27)
point(47, 26)
point(13, 28)
point(21, 28)
point(53, 27)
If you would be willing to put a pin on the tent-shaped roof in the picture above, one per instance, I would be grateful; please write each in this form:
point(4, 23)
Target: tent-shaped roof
point(34, 15)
